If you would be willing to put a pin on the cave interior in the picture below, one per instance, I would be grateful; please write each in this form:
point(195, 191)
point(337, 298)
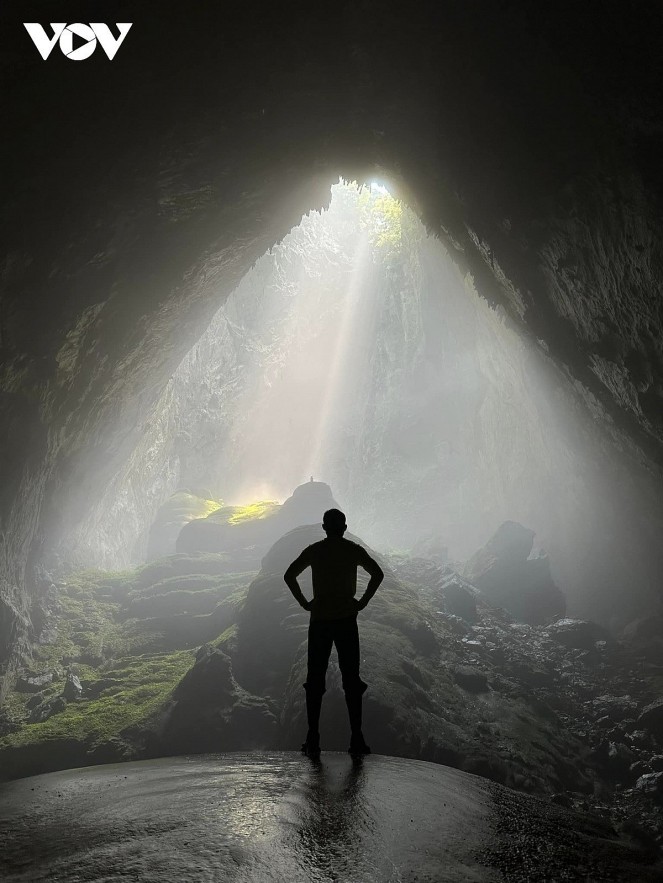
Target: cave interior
point(406, 264)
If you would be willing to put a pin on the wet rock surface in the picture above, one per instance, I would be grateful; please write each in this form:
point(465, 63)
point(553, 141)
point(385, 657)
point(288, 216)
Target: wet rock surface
point(277, 816)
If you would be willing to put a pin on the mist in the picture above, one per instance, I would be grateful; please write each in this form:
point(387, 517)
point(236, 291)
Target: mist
point(356, 353)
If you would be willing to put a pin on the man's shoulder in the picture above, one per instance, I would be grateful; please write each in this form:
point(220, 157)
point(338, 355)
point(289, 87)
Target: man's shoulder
point(355, 548)
point(314, 547)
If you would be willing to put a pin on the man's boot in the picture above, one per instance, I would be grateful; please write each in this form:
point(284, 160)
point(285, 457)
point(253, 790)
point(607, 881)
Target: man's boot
point(357, 744)
point(311, 746)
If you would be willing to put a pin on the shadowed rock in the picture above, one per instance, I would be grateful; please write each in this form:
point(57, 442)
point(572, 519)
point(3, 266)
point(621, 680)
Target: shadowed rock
point(72, 688)
point(210, 712)
point(182, 507)
point(459, 600)
point(34, 684)
point(471, 680)
point(47, 709)
point(503, 571)
point(651, 717)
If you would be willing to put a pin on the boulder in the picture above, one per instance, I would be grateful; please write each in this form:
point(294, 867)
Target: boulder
point(620, 758)
point(35, 700)
point(210, 712)
point(47, 709)
point(181, 508)
point(459, 600)
point(651, 784)
point(651, 718)
point(34, 683)
point(503, 571)
point(258, 525)
point(72, 689)
point(306, 505)
point(399, 652)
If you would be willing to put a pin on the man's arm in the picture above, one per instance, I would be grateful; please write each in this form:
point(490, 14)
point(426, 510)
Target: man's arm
point(376, 576)
point(290, 577)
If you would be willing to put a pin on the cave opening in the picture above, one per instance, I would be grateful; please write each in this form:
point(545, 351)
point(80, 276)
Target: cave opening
point(357, 353)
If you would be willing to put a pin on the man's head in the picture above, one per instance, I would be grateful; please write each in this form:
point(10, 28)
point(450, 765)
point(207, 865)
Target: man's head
point(333, 523)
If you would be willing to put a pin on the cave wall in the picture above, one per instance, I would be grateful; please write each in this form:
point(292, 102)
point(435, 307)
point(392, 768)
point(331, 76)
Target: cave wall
point(138, 193)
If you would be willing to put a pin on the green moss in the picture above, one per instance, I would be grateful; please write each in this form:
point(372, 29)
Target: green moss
point(86, 624)
point(181, 564)
point(227, 638)
point(240, 514)
point(98, 624)
point(184, 506)
point(222, 584)
point(145, 684)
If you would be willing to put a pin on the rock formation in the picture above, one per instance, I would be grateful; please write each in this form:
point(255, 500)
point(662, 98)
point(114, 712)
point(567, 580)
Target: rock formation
point(505, 573)
point(179, 509)
point(256, 527)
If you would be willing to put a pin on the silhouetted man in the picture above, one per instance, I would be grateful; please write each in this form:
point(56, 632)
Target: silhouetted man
point(333, 562)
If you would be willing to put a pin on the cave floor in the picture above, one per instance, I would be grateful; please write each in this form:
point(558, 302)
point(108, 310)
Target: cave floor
point(279, 816)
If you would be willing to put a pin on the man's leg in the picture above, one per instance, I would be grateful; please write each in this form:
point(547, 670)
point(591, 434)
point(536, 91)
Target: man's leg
point(346, 638)
point(320, 639)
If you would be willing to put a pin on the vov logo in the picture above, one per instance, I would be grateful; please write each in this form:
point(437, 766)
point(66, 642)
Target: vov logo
point(64, 34)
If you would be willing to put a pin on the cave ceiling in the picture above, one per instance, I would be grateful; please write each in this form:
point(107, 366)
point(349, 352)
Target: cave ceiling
point(137, 194)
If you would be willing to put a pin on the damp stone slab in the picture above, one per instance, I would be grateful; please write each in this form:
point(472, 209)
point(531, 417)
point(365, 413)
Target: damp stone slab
point(261, 816)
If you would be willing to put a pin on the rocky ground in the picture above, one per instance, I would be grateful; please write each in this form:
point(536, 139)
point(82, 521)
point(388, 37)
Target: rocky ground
point(190, 654)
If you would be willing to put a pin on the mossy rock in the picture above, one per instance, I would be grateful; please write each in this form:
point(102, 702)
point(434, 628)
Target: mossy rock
point(182, 507)
point(115, 716)
point(258, 525)
point(270, 654)
point(185, 630)
point(178, 565)
point(174, 602)
point(236, 515)
point(232, 529)
point(128, 658)
point(211, 586)
point(193, 593)
point(210, 712)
